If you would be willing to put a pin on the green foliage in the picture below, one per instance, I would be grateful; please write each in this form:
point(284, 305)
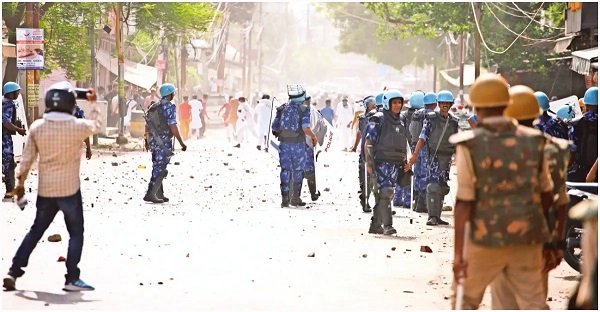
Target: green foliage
point(358, 26)
point(430, 19)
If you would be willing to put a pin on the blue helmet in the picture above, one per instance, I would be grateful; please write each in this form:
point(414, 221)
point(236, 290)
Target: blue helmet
point(429, 98)
point(11, 87)
point(369, 100)
point(166, 89)
point(296, 93)
point(416, 99)
point(389, 95)
point(445, 96)
point(565, 112)
point(590, 97)
point(379, 99)
point(542, 100)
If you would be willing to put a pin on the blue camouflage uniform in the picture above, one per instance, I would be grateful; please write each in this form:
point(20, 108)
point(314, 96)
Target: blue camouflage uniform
point(386, 173)
point(160, 159)
point(292, 155)
point(402, 194)
point(553, 126)
point(79, 112)
point(8, 157)
point(362, 125)
point(434, 173)
point(420, 168)
point(588, 149)
point(309, 164)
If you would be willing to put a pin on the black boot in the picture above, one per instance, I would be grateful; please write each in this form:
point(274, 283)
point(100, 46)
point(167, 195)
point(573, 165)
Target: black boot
point(296, 200)
point(9, 182)
point(420, 205)
point(311, 179)
point(160, 194)
point(151, 194)
point(363, 204)
point(285, 199)
point(152, 190)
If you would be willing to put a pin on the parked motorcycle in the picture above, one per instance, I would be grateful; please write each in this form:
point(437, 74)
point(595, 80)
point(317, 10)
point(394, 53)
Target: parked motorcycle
point(573, 228)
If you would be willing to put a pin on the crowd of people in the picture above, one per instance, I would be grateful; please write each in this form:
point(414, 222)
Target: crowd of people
point(511, 169)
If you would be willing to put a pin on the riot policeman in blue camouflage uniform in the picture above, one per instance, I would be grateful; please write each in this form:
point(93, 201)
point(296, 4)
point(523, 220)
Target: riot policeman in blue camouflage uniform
point(317, 126)
point(11, 125)
point(385, 154)
point(584, 135)
point(551, 125)
point(437, 128)
point(290, 125)
point(402, 196)
point(420, 166)
point(161, 126)
point(370, 105)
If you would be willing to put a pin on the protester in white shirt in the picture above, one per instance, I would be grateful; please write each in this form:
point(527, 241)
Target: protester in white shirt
point(345, 115)
point(196, 123)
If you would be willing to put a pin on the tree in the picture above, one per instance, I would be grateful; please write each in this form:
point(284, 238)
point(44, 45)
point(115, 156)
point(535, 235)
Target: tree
point(504, 23)
point(358, 26)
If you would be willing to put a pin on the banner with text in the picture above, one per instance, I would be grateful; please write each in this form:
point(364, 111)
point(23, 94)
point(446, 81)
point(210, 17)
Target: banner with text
point(30, 48)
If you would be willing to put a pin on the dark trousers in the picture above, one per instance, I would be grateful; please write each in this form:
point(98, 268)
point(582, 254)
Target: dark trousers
point(203, 129)
point(47, 207)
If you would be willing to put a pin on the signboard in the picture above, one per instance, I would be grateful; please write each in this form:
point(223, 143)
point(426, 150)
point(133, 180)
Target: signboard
point(160, 64)
point(30, 48)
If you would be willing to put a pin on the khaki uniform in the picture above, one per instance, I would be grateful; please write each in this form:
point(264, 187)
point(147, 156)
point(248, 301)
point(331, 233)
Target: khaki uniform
point(557, 155)
point(502, 168)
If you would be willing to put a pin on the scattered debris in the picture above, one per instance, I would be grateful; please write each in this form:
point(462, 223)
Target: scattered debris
point(388, 256)
point(393, 248)
point(115, 164)
point(426, 249)
point(114, 154)
point(191, 177)
point(364, 255)
point(188, 255)
point(225, 164)
point(311, 255)
point(86, 179)
point(549, 299)
point(54, 238)
point(141, 167)
point(176, 163)
point(408, 292)
point(326, 189)
point(61, 259)
point(160, 283)
point(447, 208)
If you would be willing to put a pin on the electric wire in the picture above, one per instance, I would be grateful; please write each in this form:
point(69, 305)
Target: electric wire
point(522, 16)
point(527, 14)
point(514, 33)
point(512, 43)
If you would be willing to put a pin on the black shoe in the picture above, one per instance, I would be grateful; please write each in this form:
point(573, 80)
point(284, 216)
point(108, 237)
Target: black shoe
point(389, 230)
point(297, 201)
point(266, 149)
point(151, 194)
point(316, 196)
point(375, 229)
point(161, 195)
point(367, 208)
point(441, 222)
point(258, 147)
point(9, 282)
point(285, 199)
point(238, 146)
point(393, 212)
point(432, 221)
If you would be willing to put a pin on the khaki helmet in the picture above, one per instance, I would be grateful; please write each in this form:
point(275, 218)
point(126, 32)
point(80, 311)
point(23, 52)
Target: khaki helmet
point(489, 90)
point(581, 105)
point(523, 104)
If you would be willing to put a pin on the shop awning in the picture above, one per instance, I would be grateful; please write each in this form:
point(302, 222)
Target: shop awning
point(138, 74)
point(583, 59)
point(9, 50)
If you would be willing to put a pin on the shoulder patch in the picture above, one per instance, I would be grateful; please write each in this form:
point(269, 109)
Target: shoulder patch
point(461, 137)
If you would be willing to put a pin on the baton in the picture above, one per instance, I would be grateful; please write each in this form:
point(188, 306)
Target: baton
point(460, 290)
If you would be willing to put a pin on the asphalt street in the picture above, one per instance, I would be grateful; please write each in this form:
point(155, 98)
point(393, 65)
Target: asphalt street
point(223, 242)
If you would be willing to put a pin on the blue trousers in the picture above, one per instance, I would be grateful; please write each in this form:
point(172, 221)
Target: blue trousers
point(160, 159)
point(292, 159)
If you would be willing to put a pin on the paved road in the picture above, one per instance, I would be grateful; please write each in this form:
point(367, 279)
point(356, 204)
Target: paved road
point(223, 243)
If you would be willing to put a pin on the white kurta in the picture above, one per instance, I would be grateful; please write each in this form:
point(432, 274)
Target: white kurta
point(345, 115)
point(245, 123)
point(196, 122)
point(263, 113)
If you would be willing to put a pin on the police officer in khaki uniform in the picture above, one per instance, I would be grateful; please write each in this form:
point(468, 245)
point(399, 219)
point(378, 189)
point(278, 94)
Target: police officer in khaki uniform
point(524, 109)
point(504, 188)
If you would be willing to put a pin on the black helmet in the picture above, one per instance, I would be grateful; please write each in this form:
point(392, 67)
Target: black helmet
point(60, 97)
point(265, 97)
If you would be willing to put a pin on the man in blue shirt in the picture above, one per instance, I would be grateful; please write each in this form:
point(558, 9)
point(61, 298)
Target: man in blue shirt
point(327, 111)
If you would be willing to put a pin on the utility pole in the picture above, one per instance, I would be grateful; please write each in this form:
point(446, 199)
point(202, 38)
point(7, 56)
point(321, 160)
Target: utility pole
point(434, 76)
point(93, 62)
point(121, 139)
point(477, 40)
point(176, 71)
point(461, 69)
point(307, 22)
point(221, 52)
point(32, 96)
point(243, 57)
point(285, 55)
point(183, 69)
point(260, 56)
point(249, 60)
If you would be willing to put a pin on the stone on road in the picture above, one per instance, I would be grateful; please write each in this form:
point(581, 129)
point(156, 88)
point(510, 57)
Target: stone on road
point(223, 243)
